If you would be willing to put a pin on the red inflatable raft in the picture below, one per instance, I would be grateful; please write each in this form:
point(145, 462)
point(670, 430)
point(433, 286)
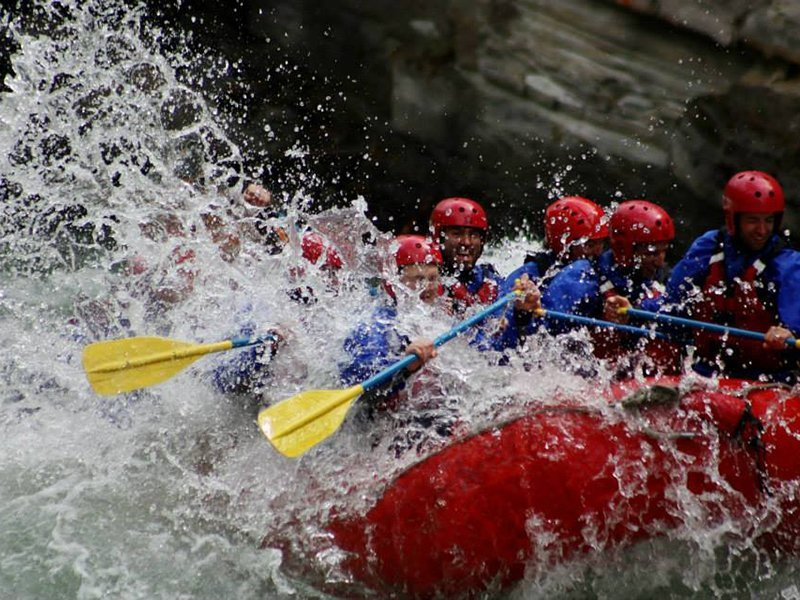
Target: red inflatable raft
point(566, 480)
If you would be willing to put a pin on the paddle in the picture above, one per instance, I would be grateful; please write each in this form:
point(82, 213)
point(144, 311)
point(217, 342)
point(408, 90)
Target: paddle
point(542, 312)
point(128, 364)
point(666, 318)
point(299, 423)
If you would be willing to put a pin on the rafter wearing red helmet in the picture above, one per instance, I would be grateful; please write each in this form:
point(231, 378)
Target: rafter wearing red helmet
point(380, 341)
point(631, 272)
point(743, 275)
point(575, 228)
point(418, 262)
point(374, 345)
point(641, 233)
point(459, 227)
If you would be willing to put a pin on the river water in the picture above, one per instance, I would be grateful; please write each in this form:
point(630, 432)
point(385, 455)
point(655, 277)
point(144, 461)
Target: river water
point(111, 158)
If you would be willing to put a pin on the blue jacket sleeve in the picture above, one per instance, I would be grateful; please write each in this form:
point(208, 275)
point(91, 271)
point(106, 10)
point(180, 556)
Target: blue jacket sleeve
point(652, 304)
point(575, 290)
point(245, 370)
point(691, 270)
point(787, 264)
point(372, 347)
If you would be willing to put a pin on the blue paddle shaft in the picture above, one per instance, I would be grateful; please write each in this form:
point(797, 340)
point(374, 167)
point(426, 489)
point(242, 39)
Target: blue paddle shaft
point(665, 318)
point(405, 362)
point(241, 342)
point(476, 318)
point(600, 323)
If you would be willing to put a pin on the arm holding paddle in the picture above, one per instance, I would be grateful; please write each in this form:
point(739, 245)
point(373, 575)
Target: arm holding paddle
point(615, 309)
point(299, 423)
point(529, 298)
point(517, 322)
point(424, 350)
point(374, 346)
point(247, 371)
point(776, 337)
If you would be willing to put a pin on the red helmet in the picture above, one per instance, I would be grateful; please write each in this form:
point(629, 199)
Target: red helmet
point(313, 245)
point(571, 218)
point(752, 192)
point(416, 250)
point(457, 212)
point(638, 222)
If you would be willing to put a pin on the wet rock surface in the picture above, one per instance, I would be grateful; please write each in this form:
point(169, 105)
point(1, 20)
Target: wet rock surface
point(510, 101)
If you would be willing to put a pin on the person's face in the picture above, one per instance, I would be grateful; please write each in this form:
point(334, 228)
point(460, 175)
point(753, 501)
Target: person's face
point(588, 249)
point(422, 278)
point(649, 258)
point(755, 229)
point(461, 246)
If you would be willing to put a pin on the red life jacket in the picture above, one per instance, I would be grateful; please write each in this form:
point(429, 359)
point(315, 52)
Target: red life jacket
point(741, 303)
point(486, 292)
point(611, 343)
point(184, 259)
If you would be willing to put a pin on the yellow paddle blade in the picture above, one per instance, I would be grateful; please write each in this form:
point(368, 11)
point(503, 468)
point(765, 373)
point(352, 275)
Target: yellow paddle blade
point(117, 366)
point(299, 423)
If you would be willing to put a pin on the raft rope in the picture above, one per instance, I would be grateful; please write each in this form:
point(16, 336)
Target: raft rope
point(748, 431)
point(750, 428)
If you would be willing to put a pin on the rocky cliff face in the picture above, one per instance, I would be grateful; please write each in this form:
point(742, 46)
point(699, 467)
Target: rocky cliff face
point(516, 101)
point(512, 102)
